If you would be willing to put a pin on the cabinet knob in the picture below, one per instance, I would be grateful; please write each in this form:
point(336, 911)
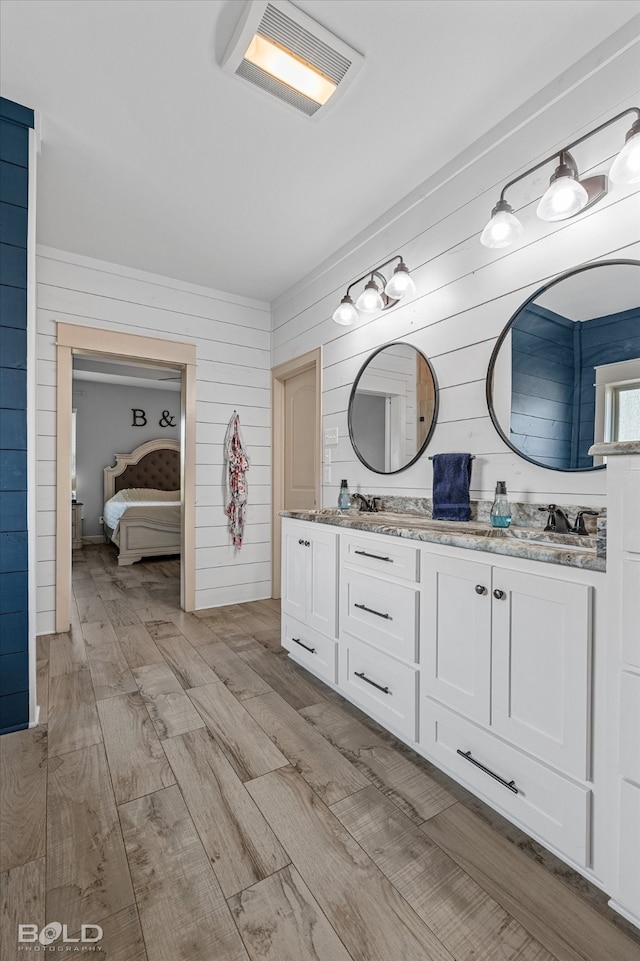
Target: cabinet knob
point(481, 589)
point(498, 594)
point(300, 541)
point(307, 543)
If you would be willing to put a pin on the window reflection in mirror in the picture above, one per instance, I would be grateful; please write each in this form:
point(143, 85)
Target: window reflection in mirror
point(392, 408)
point(566, 369)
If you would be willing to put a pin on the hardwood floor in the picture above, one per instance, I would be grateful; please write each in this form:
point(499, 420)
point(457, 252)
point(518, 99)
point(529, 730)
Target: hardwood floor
point(199, 796)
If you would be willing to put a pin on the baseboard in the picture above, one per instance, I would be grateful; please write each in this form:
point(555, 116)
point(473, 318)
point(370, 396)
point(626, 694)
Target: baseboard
point(93, 539)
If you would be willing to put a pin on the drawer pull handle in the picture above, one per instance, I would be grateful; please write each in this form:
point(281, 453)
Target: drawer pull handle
point(296, 640)
point(361, 674)
point(480, 589)
point(498, 594)
point(377, 557)
point(510, 785)
point(370, 610)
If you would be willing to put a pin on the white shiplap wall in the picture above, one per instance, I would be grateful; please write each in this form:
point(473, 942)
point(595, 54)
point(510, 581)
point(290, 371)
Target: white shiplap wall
point(232, 337)
point(466, 293)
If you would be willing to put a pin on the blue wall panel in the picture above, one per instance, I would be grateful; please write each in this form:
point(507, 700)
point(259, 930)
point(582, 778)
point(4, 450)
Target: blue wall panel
point(14, 184)
point(14, 712)
point(13, 225)
point(14, 143)
point(13, 306)
point(13, 592)
point(13, 388)
point(13, 510)
point(13, 346)
point(13, 551)
point(13, 430)
point(14, 673)
point(15, 121)
point(13, 265)
point(13, 470)
point(13, 632)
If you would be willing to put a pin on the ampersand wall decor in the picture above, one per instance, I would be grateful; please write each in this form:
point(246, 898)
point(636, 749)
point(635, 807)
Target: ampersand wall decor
point(167, 419)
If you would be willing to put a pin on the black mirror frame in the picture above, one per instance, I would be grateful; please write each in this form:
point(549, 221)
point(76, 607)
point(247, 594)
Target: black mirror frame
point(494, 356)
point(388, 473)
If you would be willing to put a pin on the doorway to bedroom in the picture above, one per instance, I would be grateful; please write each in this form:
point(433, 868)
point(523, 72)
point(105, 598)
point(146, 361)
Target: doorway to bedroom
point(126, 456)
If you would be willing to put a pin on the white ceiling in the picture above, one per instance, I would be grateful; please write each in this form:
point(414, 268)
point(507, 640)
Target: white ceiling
point(154, 158)
point(101, 370)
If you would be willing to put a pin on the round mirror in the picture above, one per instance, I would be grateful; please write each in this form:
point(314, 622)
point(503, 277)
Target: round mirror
point(565, 372)
point(392, 408)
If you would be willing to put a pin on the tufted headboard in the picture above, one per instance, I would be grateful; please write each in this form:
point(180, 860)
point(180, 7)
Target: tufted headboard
point(155, 464)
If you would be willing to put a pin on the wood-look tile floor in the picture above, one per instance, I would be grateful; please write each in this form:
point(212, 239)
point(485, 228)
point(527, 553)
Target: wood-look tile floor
point(201, 798)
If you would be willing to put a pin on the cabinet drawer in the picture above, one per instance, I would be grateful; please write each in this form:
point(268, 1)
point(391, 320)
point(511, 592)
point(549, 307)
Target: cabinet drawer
point(548, 804)
point(382, 686)
point(380, 613)
point(382, 554)
point(313, 651)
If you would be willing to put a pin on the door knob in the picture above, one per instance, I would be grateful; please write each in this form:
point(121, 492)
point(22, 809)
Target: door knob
point(498, 594)
point(481, 589)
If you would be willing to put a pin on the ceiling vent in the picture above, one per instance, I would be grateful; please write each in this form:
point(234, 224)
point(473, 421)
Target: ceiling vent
point(286, 54)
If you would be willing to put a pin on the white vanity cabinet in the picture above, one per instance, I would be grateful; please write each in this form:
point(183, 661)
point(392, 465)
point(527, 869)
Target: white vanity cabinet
point(481, 663)
point(512, 651)
point(308, 584)
point(505, 685)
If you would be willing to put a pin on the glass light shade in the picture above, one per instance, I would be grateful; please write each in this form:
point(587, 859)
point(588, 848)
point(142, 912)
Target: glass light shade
point(370, 299)
point(626, 167)
point(503, 229)
point(400, 283)
point(346, 314)
point(564, 197)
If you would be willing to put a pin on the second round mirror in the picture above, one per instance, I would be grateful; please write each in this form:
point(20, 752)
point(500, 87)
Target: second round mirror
point(392, 408)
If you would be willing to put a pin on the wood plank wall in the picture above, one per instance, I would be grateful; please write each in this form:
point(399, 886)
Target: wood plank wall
point(232, 335)
point(466, 293)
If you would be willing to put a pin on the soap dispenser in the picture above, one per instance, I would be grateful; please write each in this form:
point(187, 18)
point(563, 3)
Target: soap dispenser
point(344, 497)
point(500, 509)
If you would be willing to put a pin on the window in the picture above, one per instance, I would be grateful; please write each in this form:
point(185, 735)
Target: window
point(625, 411)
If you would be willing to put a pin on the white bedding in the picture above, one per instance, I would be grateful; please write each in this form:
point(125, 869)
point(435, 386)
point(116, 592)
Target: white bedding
point(136, 497)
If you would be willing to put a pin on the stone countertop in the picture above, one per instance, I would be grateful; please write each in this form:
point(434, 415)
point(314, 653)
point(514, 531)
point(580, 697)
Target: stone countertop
point(529, 544)
point(608, 448)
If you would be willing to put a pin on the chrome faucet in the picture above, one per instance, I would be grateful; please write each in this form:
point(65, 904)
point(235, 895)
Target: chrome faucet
point(366, 505)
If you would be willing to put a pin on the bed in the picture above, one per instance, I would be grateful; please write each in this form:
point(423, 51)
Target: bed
point(142, 501)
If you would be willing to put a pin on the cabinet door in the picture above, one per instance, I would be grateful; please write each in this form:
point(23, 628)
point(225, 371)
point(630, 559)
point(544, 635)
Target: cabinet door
point(455, 638)
point(294, 569)
point(541, 667)
point(321, 546)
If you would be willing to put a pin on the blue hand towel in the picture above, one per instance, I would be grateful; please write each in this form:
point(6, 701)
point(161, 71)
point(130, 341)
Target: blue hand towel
point(451, 480)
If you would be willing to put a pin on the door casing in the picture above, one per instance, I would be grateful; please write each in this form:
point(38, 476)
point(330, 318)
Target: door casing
point(279, 375)
point(92, 340)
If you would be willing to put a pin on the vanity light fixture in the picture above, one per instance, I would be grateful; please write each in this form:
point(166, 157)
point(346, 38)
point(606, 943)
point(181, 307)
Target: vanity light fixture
point(567, 194)
point(378, 294)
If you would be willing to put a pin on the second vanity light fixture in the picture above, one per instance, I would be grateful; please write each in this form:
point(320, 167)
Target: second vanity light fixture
point(567, 195)
point(378, 294)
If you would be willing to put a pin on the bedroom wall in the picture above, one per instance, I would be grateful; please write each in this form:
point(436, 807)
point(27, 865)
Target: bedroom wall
point(104, 428)
point(466, 293)
point(232, 337)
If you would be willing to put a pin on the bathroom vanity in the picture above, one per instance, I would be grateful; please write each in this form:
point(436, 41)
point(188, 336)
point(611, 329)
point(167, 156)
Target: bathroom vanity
point(481, 650)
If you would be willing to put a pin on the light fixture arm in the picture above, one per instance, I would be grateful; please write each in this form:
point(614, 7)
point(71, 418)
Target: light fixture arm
point(564, 150)
point(381, 278)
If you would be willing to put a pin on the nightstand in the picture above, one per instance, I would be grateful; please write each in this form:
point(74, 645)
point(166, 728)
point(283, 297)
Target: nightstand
point(76, 526)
